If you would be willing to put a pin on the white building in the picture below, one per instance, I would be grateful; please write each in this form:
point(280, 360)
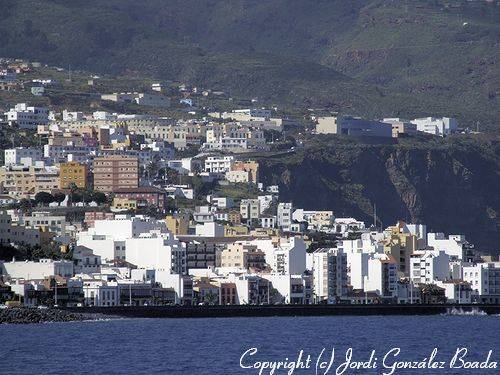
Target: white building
point(436, 126)
point(85, 261)
point(181, 284)
point(72, 116)
point(428, 266)
point(289, 257)
point(209, 230)
point(265, 201)
point(153, 100)
point(37, 270)
point(250, 209)
point(314, 219)
point(26, 156)
point(382, 275)
point(204, 214)
point(214, 164)
point(254, 112)
point(347, 225)
point(456, 291)
point(454, 245)
point(268, 221)
point(284, 216)
point(27, 117)
point(292, 288)
point(156, 250)
point(485, 281)
point(329, 269)
point(108, 237)
point(238, 177)
point(220, 202)
point(358, 253)
point(46, 221)
point(65, 153)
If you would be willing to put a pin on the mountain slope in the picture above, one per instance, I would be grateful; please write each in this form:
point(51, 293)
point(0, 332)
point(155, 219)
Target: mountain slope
point(365, 57)
point(451, 185)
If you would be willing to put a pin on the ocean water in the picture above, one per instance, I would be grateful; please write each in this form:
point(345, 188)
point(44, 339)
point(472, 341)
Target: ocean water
point(216, 345)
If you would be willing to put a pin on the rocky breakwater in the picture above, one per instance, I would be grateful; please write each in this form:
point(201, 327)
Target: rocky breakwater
point(27, 316)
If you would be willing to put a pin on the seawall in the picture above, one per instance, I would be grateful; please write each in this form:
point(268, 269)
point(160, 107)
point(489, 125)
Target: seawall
point(285, 310)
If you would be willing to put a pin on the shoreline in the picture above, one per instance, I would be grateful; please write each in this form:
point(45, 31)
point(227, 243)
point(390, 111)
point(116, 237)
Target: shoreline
point(80, 314)
point(286, 310)
point(52, 315)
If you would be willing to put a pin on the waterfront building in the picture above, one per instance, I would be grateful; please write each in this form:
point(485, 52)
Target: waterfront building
point(401, 246)
point(456, 291)
point(484, 279)
point(382, 276)
point(37, 270)
point(329, 275)
point(454, 245)
point(426, 266)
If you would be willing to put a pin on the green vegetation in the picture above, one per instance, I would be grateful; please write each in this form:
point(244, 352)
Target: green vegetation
point(363, 57)
point(51, 251)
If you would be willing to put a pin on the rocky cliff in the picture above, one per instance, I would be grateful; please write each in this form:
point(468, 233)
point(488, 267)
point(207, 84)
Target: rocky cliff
point(451, 185)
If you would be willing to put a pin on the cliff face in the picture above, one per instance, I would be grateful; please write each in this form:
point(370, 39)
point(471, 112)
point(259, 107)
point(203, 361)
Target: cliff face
point(452, 186)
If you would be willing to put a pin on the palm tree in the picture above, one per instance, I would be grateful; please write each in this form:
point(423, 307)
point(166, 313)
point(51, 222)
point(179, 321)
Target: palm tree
point(72, 190)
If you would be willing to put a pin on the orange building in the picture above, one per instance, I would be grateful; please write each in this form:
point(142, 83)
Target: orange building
point(73, 173)
point(252, 167)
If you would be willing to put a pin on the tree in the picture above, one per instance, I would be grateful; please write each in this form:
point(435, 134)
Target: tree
point(26, 204)
point(172, 175)
point(99, 197)
point(44, 198)
point(72, 188)
point(59, 197)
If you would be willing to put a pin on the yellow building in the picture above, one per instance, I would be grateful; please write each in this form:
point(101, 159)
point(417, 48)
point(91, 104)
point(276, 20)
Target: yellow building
point(178, 224)
point(235, 231)
point(234, 217)
point(73, 173)
point(124, 204)
point(25, 182)
point(264, 232)
point(401, 246)
point(242, 255)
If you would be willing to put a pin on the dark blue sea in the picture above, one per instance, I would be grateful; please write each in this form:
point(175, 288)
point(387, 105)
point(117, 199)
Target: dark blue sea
point(216, 345)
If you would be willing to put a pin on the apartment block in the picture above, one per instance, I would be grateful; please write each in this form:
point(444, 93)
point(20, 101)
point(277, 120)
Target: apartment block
point(115, 172)
point(73, 173)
